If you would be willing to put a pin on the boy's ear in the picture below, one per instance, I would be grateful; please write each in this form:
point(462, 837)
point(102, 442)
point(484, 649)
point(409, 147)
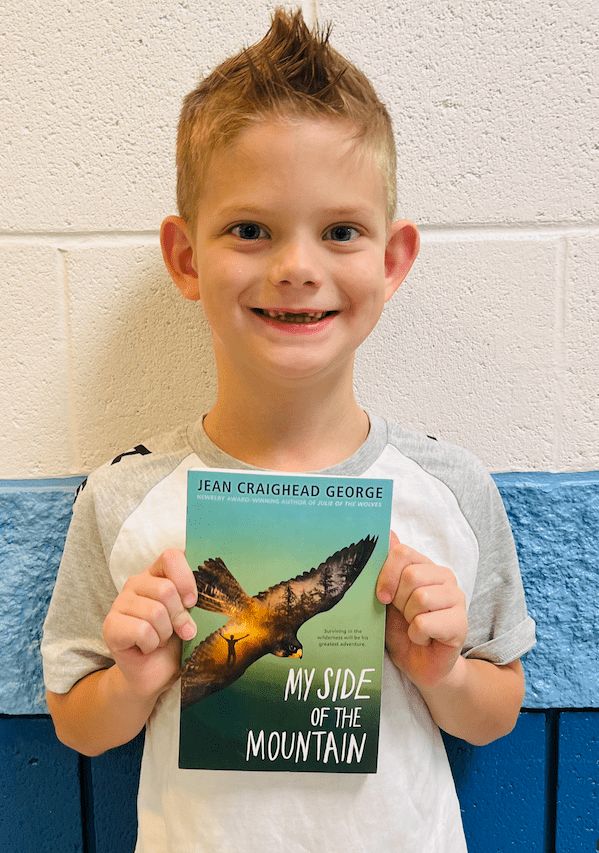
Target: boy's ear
point(401, 252)
point(177, 252)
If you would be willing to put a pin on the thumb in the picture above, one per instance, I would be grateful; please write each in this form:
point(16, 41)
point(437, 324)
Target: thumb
point(386, 584)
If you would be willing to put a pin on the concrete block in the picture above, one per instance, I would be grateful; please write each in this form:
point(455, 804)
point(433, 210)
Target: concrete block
point(579, 440)
point(577, 825)
point(555, 521)
point(142, 358)
point(494, 105)
point(91, 99)
point(501, 788)
point(464, 350)
point(33, 524)
point(40, 798)
point(34, 415)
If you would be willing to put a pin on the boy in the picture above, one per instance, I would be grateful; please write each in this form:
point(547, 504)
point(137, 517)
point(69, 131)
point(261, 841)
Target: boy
point(286, 193)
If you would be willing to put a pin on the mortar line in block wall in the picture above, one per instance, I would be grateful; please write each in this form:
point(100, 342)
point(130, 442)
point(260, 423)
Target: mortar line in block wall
point(81, 239)
point(552, 721)
point(88, 822)
point(559, 349)
point(63, 272)
point(516, 231)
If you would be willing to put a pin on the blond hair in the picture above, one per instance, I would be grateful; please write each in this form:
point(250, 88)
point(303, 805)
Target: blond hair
point(291, 72)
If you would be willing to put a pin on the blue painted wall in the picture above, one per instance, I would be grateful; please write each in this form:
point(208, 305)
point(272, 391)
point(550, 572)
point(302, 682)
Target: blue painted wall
point(536, 790)
point(555, 521)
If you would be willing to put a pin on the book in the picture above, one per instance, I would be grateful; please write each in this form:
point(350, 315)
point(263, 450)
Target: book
point(285, 671)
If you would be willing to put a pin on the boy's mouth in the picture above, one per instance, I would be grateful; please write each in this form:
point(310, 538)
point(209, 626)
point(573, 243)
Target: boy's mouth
point(294, 316)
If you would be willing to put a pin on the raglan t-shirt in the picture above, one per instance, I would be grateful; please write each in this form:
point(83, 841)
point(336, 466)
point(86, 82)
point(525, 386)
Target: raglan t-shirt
point(445, 505)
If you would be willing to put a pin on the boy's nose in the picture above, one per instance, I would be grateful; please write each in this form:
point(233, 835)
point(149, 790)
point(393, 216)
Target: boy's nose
point(295, 264)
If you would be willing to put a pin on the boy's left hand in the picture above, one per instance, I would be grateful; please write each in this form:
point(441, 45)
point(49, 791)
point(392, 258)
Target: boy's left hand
point(426, 615)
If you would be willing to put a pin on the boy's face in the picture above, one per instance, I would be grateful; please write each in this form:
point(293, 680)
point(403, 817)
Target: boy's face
point(293, 258)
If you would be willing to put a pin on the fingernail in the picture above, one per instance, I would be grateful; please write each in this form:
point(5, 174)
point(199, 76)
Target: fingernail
point(384, 596)
point(188, 631)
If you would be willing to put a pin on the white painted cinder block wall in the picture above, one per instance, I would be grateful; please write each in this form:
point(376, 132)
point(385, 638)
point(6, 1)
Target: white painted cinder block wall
point(492, 340)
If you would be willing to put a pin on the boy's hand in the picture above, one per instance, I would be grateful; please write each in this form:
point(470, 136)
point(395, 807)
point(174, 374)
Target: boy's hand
point(426, 615)
point(148, 620)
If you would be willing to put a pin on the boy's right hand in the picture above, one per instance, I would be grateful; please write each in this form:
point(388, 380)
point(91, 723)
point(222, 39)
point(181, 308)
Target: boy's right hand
point(147, 622)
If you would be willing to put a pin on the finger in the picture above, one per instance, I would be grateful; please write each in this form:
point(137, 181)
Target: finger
point(178, 591)
point(172, 564)
point(389, 575)
point(146, 607)
point(426, 599)
point(398, 558)
point(149, 601)
point(148, 596)
point(123, 632)
point(424, 583)
point(445, 626)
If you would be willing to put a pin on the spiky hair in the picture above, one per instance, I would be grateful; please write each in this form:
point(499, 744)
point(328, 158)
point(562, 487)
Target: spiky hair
point(292, 72)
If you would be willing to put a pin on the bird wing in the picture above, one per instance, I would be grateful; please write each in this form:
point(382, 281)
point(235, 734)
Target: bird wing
point(318, 590)
point(269, 616)
point(218, 591)
point(209, 667)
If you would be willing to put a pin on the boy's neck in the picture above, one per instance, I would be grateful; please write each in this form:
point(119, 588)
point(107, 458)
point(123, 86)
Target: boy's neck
point(288, 430)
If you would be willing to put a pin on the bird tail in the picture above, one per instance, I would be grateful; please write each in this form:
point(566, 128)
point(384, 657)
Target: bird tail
point(218, 591)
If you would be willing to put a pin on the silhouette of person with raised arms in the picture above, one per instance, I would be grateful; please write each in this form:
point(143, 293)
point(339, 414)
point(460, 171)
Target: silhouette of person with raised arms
point(232, 642)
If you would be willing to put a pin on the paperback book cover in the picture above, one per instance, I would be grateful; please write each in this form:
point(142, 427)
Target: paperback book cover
point(285, 671)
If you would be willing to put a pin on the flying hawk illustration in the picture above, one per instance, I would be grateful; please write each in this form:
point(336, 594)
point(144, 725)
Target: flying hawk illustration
point(265, 624)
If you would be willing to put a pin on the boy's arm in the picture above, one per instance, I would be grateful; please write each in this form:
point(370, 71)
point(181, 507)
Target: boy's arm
point(98, 713)
point(143, 632)
point(426, 628)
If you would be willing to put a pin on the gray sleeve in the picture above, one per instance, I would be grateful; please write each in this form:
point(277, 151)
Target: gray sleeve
point(499, 627)
point(72, 644)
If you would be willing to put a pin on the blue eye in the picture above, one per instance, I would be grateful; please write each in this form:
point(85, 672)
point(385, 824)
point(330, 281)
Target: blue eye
point(248, 231)
point(342, 233)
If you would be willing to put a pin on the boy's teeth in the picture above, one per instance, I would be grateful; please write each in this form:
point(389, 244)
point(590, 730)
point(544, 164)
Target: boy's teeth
point(296, 317)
